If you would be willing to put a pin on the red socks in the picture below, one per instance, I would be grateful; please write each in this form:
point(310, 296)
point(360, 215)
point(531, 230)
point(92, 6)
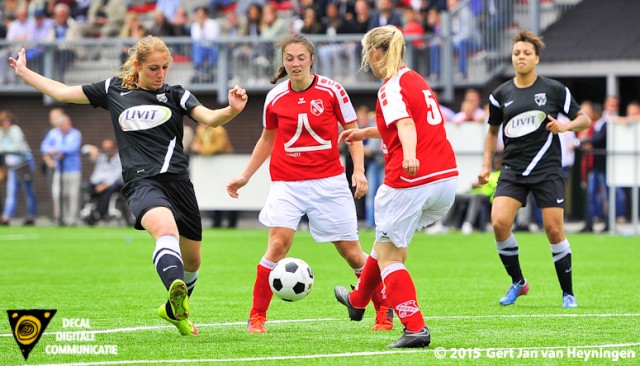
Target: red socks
point(401, 295)
point(369, 286)
point(262, 293)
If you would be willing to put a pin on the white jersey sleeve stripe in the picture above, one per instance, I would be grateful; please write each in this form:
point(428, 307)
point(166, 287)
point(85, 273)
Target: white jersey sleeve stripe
point(167, 157)
point(429, 175)
point(494, 101)
point(539, 155)
point(391, 101)
point(346, 107)
point(107, 83)
point(183, 100)
point(567, 101)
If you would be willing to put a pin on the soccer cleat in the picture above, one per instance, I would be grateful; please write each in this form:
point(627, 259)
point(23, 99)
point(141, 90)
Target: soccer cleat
point(413, 340)
point(256, 324)
point(179, 299)
point(342, 295)
point(569, 301)
point(384, 319)
point(185, 326)
point(515, 290)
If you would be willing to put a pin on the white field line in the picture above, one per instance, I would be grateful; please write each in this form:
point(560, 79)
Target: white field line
point(330, 355)
point(287, 321)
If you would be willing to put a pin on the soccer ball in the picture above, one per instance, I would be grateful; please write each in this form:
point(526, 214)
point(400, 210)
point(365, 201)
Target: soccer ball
point(291, 279)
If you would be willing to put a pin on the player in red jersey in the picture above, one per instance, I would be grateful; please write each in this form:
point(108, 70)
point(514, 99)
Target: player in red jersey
point(301, 126)
point(419, 186)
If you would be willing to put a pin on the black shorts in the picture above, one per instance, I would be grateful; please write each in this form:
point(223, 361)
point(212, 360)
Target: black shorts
point(177, 195)
point(548, 192)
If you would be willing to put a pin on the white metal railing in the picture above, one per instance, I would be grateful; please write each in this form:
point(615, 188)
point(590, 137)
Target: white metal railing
point(251, 61)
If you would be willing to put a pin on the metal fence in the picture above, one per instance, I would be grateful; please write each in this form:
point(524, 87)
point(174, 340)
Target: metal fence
point(448, 58)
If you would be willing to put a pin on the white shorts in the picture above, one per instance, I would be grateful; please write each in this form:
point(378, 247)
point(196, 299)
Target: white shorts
point(400, 212)
point(328, 203)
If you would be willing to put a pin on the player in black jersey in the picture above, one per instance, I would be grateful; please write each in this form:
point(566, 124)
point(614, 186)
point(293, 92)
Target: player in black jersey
point(525, 109)
point(147, 119)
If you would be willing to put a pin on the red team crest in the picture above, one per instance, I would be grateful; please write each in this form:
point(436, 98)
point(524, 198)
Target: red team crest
point(407, 308)
point(317, 107)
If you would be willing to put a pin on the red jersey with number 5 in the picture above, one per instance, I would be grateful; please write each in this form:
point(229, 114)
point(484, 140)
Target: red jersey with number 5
point(407, 95)
point(306, 144)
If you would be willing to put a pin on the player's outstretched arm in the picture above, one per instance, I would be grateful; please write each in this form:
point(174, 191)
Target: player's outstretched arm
point(52, 88)
point(358, 134)
point(217, 117)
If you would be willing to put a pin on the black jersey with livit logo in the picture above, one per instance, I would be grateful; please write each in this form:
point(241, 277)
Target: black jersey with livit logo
point(529, 149)
point(148, 126)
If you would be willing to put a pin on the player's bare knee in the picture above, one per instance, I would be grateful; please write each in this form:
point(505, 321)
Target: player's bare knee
point(355, 258)
point(501, 225)
point(191, 263)
point(555, 234)
point(278, 248)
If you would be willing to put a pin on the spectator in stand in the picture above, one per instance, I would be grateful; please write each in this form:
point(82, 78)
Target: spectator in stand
point(413, 27)
point(249, 25)
point(181, 23)
point(633, 111)
point(611, 107)
point(64, 29)
point(39, 29)
point(17, 32)
point(385, 14)
point(470, 109)
point(434, 24)
point(311, 21)
point(498, 16)
point(204, 30)
point(106, 178)
point(597, 188)
point(359, 24)
point(10, 9)
point(20, 168)
point(273, 27)
point(62, 145)
point(332, 56)
point(229, 24)
point(51, 5)
point(132, 29)
point(243, 6)
point(80, 11)
point(632, 115)
point(465, 34)
point(161, 26)
point(105, 19)
point(251, 21)
point(169, 8)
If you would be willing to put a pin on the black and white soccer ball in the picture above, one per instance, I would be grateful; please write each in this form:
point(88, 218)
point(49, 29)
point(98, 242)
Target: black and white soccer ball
point(291, 279)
